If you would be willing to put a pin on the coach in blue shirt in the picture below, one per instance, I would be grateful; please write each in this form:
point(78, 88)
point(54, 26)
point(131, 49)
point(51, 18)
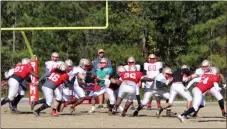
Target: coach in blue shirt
point(97, 60)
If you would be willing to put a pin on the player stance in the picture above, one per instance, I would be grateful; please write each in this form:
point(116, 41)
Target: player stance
point(207, 81)
point(57, 77)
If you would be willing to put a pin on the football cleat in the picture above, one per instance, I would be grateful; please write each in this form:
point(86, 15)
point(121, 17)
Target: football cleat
point(15, 111)
point(100, 106)
point(91, 111)
point(135, 113)
point(181, 118)
point(158, 113)
point(110, 113)
point(36, 113)
point(170, 114)
point(32, 105)
point(54, 113)
point(122, 114)
point(224, 114)
point(72, 109)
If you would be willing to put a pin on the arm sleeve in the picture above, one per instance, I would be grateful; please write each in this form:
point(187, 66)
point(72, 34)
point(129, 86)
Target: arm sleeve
point(193, 81)
point(43, 77)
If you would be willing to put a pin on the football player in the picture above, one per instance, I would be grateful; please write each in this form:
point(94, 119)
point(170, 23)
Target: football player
point(152, 68)
point(178, 87)
point(54, 79)
point(131, 61)
point(158, 87)
point(77, 76)
point(21, 72)
point(207, 81)
point(206, 67)
point(130, 80)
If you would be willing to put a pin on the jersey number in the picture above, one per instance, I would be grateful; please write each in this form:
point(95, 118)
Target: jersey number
point(130, 75)
point(54, 77)
point(205, 80)
point(151, 68)
point(19, 68)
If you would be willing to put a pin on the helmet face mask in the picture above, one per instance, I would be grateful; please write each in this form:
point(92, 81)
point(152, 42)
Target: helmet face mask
point(167, 72)
point(131, 61)
point(206, 66)
point(152, 58)
point(206, 69)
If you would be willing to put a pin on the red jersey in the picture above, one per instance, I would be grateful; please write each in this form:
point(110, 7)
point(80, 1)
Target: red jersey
point(23, 70)
point(58, 78)
point(131, 76)
point(207, 82)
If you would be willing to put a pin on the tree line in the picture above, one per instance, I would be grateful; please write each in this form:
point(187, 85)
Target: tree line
point(177, 32)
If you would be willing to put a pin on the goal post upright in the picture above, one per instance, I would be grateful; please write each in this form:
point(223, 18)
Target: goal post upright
point(64, 28)
point(33, 90)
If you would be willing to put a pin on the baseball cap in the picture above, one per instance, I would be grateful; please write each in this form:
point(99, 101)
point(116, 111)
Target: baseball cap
point(100, 50)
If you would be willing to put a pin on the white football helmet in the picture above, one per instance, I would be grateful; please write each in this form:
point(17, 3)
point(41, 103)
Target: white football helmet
point(69, 62)
point(206, 63)
point(132, 68)
point(55, 54)
point(121, 69)
point(184, 67)
point(131, 59)
point(206, 66)
point(25, 61)
point(63, 67)
point(215, 70)
point(152, 56)
point(167, 70)
point(84, 62)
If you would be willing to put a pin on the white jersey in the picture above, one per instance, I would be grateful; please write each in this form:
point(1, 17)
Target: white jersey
point(9, 73)
point(137, 67)
point(72, 73)
point(159, 78)
point(200, 71)
point(50, 65)
point(77, 70)
point(152, 70)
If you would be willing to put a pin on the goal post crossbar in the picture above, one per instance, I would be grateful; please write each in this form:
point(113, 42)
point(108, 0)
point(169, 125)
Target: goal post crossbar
point(64, 28)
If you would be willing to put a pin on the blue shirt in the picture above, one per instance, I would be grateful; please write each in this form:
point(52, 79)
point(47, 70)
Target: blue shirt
point(97, 61)
point(101, 73)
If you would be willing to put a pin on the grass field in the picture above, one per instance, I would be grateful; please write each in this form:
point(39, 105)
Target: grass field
point(209, 117)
